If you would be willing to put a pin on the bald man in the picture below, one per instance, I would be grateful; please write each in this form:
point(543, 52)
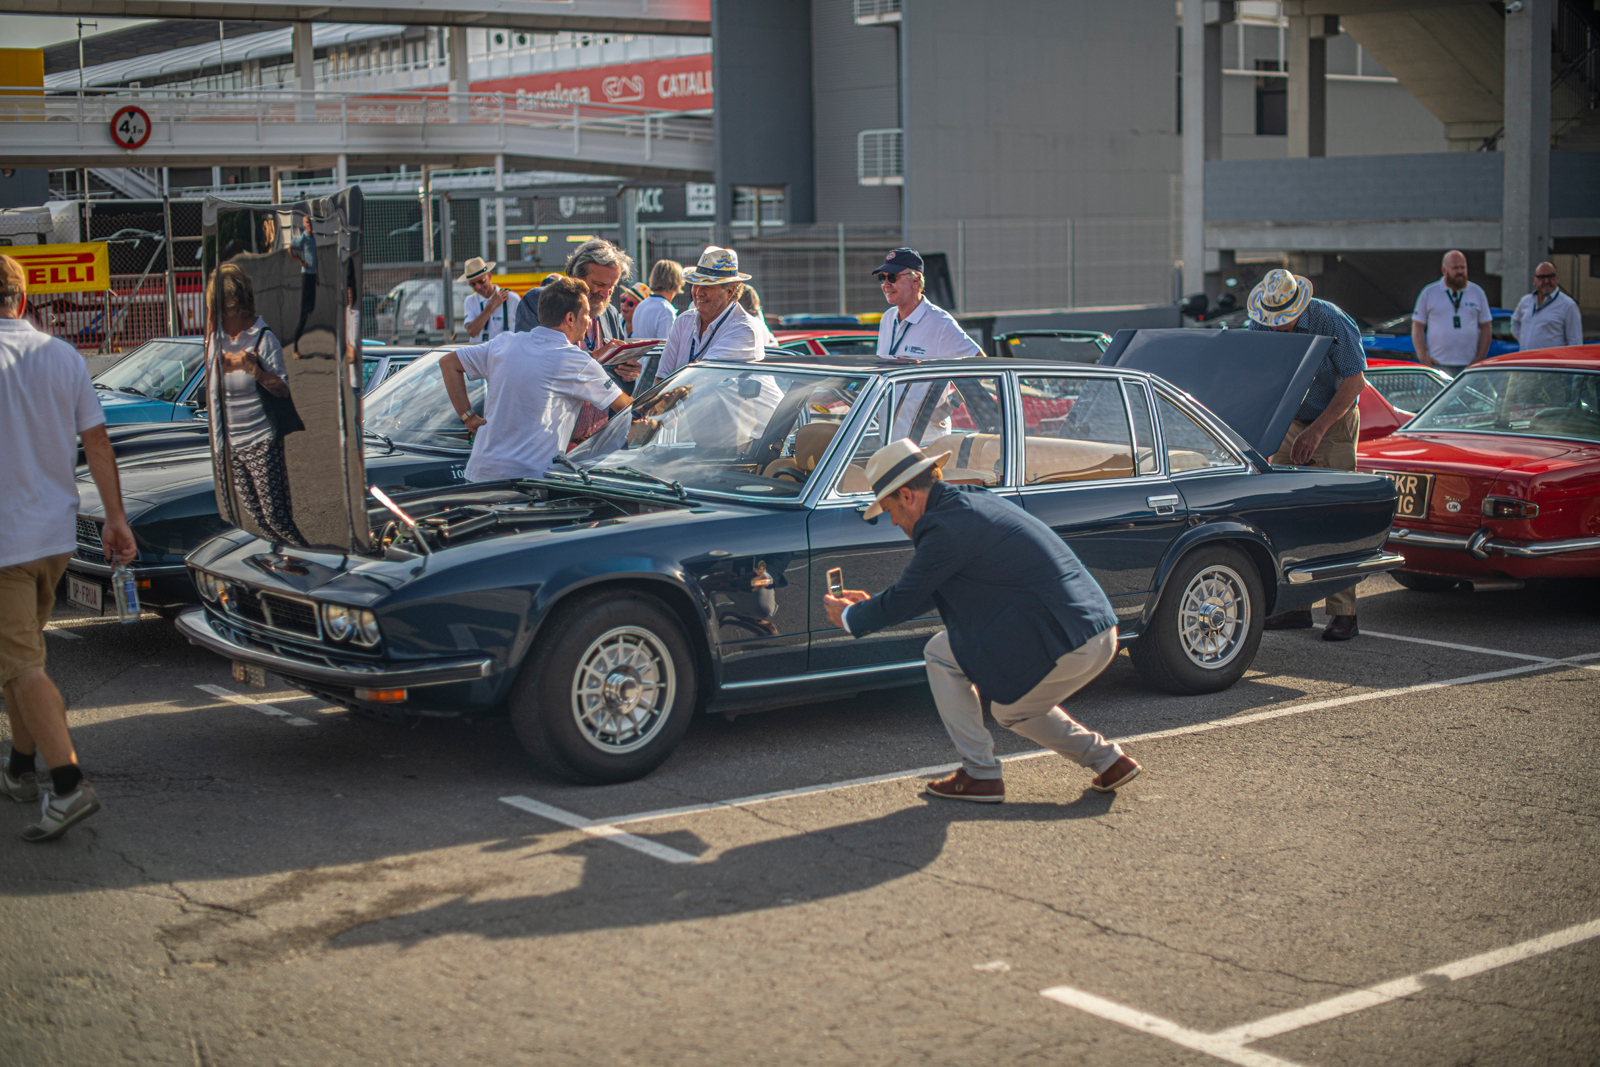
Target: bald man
point(1451, 323)
point(1546, 317)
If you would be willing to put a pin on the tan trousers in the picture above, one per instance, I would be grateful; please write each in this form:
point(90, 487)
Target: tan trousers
point(1037, 716)
point(1336, 452)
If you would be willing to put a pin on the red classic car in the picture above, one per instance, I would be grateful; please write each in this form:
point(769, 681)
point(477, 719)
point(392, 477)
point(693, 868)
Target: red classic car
point(1499, 476)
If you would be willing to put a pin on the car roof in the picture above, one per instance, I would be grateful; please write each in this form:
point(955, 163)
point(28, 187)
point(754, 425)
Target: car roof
point(1585, 355)
point(806, 335)
point(879, 365)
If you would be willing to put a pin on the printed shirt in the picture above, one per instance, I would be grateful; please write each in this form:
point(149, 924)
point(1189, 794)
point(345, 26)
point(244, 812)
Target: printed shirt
point(929, 332)
point(538, 381)
point(1345, 357)
point(1437, 312)
point(46, 401)
point(1558, 322)
point(504, 319)
point(246, 419)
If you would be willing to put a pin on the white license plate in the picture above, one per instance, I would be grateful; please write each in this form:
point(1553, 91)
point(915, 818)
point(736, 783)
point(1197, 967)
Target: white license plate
point(90, 595)
point(251, 676)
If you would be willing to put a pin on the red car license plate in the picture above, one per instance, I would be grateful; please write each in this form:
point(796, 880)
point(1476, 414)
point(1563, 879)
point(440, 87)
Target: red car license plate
point(1414, 490)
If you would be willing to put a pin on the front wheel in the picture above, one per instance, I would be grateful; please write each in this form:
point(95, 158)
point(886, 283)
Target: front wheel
point(1207, 626)
point(608, 696)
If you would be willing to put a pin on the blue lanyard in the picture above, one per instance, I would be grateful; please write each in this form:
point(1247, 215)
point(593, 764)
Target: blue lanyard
point(894, 323)
point(714, 328)
point(1538, 307)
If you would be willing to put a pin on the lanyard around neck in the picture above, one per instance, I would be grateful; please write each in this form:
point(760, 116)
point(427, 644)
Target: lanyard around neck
point(894, 325)
point(715, 326)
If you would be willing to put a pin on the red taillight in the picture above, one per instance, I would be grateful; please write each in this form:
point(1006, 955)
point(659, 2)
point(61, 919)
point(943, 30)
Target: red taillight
point(1505, 507)
point(438, 322)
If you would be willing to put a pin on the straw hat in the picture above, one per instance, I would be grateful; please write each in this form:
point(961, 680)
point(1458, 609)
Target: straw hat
point(894, 465)
point(1279, 298)
point(475, 267)
point(717, 266)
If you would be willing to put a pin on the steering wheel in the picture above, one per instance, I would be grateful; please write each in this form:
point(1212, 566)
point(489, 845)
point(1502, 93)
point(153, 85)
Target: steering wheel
point(794, 472)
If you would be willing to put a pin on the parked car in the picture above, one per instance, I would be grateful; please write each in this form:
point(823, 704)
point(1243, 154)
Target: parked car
point(1499, 476)
point(1392, 339)
point(1064, 346)
point(413, 313)
point(679, 565)
point(1407, 385)
point(160, 381)
point(827, 342)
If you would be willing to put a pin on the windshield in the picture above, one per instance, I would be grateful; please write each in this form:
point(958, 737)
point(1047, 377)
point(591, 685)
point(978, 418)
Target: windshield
point(413, 408)
point(1538, 403)
point(728, 428)
point(157, 369)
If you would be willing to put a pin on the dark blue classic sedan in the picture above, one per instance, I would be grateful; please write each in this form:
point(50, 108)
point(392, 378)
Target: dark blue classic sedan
point(676, 563)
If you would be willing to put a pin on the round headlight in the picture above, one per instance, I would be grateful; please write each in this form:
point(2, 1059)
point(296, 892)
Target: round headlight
point(338, 620)
point(367, 632)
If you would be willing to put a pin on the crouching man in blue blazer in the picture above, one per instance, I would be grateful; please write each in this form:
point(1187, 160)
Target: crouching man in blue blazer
point(1025, 624)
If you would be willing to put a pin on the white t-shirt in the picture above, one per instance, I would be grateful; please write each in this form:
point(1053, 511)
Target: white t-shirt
point(245, 418)
point(46, 400)
point(504, 319)
point(929, 332)
point(733, 336)
point(538, 382)
point(653, 317)
point(1557, 323)
point(1451, 345)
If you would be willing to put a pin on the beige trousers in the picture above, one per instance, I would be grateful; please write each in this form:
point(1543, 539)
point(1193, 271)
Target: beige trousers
point(1037, 716)
point(1336, 452)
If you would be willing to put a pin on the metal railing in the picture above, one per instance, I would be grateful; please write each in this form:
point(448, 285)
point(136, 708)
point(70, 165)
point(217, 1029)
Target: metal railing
point(880, 157)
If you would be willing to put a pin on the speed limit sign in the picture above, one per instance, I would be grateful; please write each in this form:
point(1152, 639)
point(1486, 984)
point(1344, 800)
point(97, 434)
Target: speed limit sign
point(130, 127)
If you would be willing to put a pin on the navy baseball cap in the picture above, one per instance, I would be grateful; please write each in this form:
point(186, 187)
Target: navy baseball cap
point(898, 260)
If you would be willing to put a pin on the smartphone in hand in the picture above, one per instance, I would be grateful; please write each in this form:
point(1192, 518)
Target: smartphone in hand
point(836, 582)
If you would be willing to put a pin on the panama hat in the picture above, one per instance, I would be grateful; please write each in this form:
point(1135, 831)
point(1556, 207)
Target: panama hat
point(475, 267)
point(894, 465)
point(1279, 298)
point(717, 266)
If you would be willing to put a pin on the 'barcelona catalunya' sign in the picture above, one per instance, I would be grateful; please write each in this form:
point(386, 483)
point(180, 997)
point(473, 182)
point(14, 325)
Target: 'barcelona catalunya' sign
point(64, 268)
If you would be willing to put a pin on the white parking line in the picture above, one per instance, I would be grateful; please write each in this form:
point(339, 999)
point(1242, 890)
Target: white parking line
point(256, 705)
point(596, 829)
point(1229, 1044)
point(1451, 644)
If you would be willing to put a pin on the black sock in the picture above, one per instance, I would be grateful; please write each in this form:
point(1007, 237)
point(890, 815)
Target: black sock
point(64, 779)
point(20, 763)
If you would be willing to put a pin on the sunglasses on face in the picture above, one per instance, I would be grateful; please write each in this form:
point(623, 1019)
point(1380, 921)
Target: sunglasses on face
point(1545, 277)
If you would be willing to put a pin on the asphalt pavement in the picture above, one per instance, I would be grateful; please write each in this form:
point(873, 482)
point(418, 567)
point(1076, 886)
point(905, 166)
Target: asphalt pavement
point(1379, 852)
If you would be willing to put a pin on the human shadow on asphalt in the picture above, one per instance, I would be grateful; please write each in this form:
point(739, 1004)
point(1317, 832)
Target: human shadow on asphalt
point(621, 888)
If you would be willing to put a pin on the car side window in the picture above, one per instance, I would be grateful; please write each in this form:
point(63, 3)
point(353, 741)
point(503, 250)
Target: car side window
point(850, 346)
point(1144, 438)
point(1190, 446)
point(1075, 429)
point(972, 415)
point(853, 479)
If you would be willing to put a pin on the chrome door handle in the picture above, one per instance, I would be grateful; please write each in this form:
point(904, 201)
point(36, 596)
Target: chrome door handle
point(1163, 505)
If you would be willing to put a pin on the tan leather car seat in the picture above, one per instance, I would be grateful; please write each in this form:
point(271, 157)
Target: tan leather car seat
point(810, 442)
point(1055, 459)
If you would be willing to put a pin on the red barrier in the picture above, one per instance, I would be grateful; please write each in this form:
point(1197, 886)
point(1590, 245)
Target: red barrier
point(137, 312)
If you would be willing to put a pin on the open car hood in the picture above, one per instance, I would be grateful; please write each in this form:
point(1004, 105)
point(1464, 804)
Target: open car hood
point(1253, 380)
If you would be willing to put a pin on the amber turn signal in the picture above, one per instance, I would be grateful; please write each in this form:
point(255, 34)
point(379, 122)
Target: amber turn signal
point(381, 696)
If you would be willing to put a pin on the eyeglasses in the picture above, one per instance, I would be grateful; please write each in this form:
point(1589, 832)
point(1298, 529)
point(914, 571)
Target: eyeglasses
point(1545, 277)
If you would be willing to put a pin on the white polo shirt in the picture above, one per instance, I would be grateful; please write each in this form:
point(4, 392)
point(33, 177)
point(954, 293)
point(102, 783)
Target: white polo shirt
point(1557, 323)
point(929, 332)
point(1436, 309)
point(732, 335)
point(504, 319)
point(654, 317)
point(538, 382)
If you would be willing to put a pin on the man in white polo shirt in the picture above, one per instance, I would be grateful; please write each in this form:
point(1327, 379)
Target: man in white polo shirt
point(489, 310)
point(538, 381)
point(916, 328)
point(1451, 323)
point(1546, 317)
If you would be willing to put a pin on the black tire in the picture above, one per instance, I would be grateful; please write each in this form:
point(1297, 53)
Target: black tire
point(1425, 583)
point(1162, 654)
point(654, 654)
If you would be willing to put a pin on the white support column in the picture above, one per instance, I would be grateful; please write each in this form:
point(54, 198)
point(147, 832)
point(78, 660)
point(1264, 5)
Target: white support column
point(460, 82)
point(1525, 215)
point(305, 79)
point(275, 185)
point(341, 171)
point(1307, 57)
point(499, 206)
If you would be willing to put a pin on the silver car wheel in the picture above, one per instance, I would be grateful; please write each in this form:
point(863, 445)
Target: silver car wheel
point(1214, 617)
point(623, 689)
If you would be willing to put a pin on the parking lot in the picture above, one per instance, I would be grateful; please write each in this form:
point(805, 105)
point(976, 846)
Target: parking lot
point(1380, 852)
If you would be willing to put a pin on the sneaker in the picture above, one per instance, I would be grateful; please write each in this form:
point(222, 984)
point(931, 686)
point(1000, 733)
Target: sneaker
point(57, 815)
point(962, 786)
point(23, 789)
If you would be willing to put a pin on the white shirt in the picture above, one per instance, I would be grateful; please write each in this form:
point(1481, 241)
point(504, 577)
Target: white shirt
point(46, 401)
point(1557, 323)
point(654, 317)
point(929, 332)
point(732, 335)
point(504, 319)
point(1447, 343)
point(538, 382)
point(245, 418)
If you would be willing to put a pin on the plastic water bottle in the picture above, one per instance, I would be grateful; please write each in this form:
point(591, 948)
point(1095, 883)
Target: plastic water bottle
point(126, 591)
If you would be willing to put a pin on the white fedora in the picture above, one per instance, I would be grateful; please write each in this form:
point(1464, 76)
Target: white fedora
point(474, 267)
point(892, 466)
point(717, 266)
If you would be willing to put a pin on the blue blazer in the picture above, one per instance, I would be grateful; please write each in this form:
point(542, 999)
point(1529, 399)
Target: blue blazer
point(1012, 595)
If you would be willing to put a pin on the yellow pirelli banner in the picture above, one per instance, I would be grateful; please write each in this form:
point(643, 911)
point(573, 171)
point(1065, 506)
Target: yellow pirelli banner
point(82, 268)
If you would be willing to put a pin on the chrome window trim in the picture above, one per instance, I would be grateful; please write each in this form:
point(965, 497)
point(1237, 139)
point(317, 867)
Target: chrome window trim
point(823, 676)
point(1019, 479)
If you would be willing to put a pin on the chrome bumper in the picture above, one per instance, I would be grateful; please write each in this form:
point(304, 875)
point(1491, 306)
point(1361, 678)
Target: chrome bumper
point(194, 625)
point(103, 570)
point(1383, 561)
point(1481, 544)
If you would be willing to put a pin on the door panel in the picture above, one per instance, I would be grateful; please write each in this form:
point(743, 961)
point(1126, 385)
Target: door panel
point(756, 579)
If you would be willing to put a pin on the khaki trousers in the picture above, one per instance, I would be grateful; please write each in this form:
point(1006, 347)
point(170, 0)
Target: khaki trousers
point(1037, 716)
point(1336, 452)
point(27, 596)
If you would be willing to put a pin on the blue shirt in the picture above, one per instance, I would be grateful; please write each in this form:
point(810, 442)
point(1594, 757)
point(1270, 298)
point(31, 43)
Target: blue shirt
point(305, 250)
point(1345, 359)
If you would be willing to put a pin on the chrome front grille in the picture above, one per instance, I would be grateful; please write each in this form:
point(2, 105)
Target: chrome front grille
point(89, 533)
point(273, 611)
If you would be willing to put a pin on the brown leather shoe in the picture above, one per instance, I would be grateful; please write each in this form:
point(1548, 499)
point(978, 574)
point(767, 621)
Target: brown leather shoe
point(1288, 620)
point(1341, 628)
point(962, 786)
point(1120, 773)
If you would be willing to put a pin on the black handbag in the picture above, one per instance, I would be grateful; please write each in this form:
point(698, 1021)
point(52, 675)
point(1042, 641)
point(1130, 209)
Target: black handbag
point(279, 410)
